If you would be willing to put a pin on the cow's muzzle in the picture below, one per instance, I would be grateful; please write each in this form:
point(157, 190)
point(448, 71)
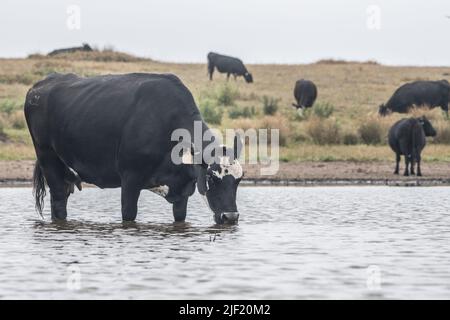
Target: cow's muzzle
point(228, 218)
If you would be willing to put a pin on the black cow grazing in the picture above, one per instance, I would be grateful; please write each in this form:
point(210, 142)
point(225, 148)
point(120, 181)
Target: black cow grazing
point(419, 93)
point(305, 92)
point(407, 138)
point(228, 65)
point(116, 131)
point(84, 47)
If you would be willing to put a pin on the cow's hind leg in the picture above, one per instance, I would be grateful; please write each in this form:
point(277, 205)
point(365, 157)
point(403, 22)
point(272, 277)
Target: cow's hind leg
point(179, 209)
point(131, 189)
point(397, 163)
point(419, 171)
point(407, 162)
point(54, 172)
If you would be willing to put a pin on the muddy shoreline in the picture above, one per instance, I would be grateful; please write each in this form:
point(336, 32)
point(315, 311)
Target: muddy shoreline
point(339, 173)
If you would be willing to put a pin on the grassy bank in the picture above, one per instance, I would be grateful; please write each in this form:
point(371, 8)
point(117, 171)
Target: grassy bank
point(343, 125)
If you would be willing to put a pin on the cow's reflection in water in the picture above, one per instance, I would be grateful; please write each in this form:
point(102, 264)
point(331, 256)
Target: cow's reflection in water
point(183, 229)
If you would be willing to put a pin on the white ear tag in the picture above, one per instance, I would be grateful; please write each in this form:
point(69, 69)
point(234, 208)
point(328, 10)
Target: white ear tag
point(187, 157)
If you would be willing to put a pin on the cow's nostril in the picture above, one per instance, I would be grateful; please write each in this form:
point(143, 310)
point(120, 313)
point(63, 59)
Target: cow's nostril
point(226, 170)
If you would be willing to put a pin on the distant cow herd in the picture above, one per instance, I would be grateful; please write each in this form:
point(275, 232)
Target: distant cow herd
point(407, 137)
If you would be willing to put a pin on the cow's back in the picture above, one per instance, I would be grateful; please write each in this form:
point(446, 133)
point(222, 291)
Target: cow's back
point(406, 135)
point(86, 118)
point(305, 92)
point(227, 64)
point(419, 93)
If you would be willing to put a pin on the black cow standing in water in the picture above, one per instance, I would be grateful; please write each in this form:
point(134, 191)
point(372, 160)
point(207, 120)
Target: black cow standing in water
point(85, 47)
point(116, 131)
point(419, 93)
point(228, 65)
point(407, 137)
point(305, 92)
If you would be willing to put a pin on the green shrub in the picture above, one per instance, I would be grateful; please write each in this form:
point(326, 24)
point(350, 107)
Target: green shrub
point(301, 114)
point(278, 123)
point(8, 106)
point(25, 78)
point(323, 110)
point(442, 135)
point(323, 131)
point(246, 112)
point(270, 105)
point(17, 120)
point(44, 68)
point(3, 136)
point(226, 95)
point(350, 138)
point(371, 132)
point(211, 113)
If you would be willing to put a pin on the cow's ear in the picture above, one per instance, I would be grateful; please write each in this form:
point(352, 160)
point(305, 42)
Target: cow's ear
point(237, 147)
point(201, 180)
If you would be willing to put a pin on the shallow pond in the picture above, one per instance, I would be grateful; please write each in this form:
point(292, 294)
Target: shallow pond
point(291, 243)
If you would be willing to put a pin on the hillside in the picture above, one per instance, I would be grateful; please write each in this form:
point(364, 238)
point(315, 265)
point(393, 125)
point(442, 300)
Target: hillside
point(343, 125)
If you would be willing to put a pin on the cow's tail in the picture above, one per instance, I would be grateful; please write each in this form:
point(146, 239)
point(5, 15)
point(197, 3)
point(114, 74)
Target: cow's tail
point(39, 191)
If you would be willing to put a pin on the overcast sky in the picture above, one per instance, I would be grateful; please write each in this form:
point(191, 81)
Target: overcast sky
point(411, 32)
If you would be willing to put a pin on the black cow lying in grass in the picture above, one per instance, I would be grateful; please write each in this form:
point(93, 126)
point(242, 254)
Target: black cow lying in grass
point(407, 137)
point(228, 65)
point(85, 47)
point(419, 93)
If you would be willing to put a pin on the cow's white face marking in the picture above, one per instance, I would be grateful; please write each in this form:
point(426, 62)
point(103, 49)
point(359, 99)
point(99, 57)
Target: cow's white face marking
point(228, 167)
point(160, 191)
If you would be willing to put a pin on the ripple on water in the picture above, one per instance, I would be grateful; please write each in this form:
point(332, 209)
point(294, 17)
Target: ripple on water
point(292, 243)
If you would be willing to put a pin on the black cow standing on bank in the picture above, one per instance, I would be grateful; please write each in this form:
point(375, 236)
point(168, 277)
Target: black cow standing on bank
point(305, 92)
point(407, 137)
point(419, 93)
point(228, 65)
point(116, 131)
point(85, 47)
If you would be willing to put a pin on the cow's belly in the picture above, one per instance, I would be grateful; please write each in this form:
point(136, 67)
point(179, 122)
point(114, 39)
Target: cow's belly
point(93, 164)
point(97, 176)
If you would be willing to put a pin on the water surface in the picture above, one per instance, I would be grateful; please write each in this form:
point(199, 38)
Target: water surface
point(291, 243)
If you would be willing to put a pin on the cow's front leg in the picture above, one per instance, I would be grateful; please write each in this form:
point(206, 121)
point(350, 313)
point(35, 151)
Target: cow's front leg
point(131, 190)
point(179, 209)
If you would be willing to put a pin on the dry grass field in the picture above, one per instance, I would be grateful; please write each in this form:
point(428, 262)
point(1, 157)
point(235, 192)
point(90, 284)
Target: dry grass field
point(342, 126)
